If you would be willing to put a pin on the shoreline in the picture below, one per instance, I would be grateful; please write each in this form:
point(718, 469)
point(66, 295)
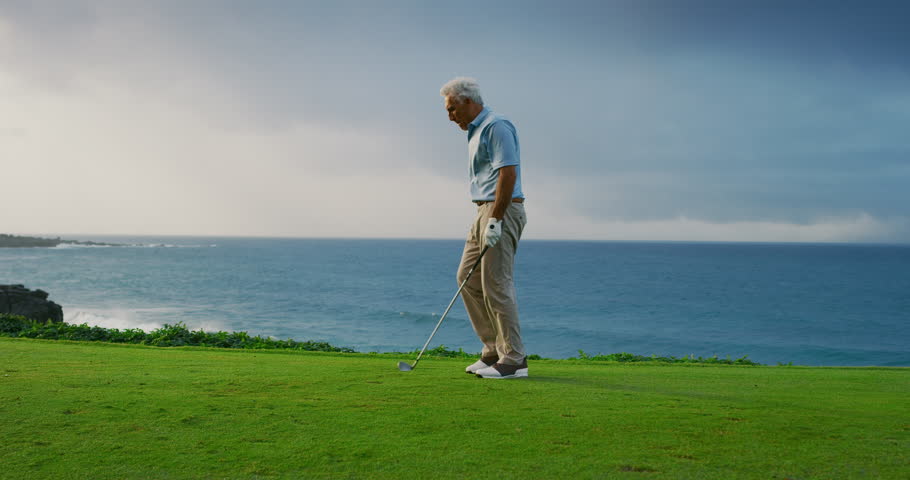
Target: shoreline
point(14, 241)
point(178, 335)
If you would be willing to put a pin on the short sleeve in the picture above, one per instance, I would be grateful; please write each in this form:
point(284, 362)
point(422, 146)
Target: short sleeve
point(503, 145)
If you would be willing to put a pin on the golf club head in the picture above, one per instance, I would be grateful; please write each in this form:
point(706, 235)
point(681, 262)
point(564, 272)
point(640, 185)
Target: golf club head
point(405, 366)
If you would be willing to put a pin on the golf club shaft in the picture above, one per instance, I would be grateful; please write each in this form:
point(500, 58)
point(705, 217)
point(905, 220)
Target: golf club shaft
point(425, 345)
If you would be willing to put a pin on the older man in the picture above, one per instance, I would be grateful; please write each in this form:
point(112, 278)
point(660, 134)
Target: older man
point(495, 173)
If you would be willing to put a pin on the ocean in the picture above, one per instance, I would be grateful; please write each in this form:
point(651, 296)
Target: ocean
point(809, 304)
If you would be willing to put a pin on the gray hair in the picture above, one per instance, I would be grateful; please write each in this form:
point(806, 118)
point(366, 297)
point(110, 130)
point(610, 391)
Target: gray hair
point(462, 88)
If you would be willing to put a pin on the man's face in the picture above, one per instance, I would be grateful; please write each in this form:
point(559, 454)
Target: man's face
point(460, 112)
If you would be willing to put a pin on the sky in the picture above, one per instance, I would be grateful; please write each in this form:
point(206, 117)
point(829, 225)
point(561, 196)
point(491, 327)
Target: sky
point(675, 120)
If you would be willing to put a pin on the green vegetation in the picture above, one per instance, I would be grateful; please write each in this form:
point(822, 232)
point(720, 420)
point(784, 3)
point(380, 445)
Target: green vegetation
point(15, 241)
point(180, 336)
point(632, 358)
point(167, 336)
point(108, 411)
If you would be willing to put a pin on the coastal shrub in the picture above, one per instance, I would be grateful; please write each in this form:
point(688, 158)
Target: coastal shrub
point(177, 335)
point(442, 351)
point(631, 358)
point(10, 324)
point(171, 336)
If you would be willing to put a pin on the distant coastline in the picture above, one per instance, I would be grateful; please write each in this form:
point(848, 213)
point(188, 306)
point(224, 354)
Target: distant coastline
point(14, 241)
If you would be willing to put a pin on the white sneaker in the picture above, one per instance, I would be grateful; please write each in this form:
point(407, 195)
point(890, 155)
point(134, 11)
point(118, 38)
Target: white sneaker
point(499, 371)
point(478, 365)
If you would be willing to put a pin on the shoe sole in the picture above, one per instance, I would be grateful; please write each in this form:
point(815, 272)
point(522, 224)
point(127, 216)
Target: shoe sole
point(474, 372)
point(522, 373)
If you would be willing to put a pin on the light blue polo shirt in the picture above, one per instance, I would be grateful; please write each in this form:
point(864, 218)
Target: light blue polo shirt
point(492, 144)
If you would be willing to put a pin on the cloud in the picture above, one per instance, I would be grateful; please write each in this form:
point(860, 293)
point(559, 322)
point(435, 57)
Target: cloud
point(294, 119)
point(719, 139)
point(120, 163)
point(861, 228)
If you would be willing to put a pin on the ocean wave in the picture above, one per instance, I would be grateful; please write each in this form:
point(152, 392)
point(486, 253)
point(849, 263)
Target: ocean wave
point(123, 319)
point(67, 246)
point(420, 317)
point(170, 245)
point(119, 319)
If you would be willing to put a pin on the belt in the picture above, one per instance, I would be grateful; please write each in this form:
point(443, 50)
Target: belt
point(484, 202)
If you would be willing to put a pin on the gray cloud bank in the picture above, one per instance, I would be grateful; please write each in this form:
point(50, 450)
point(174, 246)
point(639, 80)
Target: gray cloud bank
point(688, 113)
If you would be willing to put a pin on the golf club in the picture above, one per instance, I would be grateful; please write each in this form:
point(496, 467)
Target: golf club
point(404, 366)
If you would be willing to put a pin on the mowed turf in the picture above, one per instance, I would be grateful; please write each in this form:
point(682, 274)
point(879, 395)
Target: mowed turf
point(91, 410)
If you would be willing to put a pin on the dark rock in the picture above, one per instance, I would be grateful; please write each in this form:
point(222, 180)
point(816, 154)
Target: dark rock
point(18, 300)
point(13, 241)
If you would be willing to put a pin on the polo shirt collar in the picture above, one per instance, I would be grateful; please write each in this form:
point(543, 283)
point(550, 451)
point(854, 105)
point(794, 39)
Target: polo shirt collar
point(478, 120)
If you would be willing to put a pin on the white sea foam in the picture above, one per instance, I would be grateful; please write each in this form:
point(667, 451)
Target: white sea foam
point(119, 319)
point(171, 245)
point(123, 319)
point(65, 246)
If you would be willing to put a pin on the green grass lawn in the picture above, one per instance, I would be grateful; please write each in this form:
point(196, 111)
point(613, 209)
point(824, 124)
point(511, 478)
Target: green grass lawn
point(96, 411)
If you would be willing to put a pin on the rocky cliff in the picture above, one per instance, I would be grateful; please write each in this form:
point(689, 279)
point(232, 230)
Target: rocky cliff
point(18, 300)
point(14, 241)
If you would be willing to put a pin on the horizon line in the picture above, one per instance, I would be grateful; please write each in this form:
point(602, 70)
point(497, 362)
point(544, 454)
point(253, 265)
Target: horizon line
point(532, 239)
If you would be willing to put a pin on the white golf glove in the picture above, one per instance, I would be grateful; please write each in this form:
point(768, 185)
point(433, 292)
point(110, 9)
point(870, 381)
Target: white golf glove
point(493, 232)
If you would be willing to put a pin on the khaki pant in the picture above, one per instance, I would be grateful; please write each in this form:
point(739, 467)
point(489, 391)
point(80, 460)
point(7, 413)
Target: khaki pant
point(489, 296)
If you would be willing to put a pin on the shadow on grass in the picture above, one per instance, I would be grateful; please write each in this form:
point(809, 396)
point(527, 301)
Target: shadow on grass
point(625, 387)
point(565, 381)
